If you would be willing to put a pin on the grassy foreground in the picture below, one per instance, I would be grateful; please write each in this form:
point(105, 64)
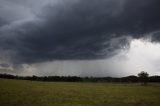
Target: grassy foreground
point(32, 93)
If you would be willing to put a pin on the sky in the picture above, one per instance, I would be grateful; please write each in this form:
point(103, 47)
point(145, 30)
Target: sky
point(79, 37)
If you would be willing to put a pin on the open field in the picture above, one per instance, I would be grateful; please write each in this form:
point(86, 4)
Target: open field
point(32, 93)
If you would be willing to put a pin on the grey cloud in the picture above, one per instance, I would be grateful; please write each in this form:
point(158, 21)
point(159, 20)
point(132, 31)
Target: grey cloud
point(81, 29)
point(2, 22)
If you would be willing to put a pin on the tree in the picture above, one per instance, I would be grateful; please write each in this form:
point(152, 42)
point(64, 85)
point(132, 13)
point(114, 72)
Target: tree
point(143, 77)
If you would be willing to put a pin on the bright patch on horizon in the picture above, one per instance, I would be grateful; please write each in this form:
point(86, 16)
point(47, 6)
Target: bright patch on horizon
point(143, 55)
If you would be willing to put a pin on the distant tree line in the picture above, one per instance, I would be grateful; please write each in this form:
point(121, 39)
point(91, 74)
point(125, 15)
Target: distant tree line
point(132, 79)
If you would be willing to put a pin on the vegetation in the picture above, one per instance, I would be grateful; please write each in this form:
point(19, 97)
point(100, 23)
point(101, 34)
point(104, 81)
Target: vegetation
point(33, 93)
point(143, 77)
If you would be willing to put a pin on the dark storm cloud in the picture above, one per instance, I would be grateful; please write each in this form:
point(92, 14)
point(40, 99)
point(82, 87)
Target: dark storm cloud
point(77, 29)
point(1, 22)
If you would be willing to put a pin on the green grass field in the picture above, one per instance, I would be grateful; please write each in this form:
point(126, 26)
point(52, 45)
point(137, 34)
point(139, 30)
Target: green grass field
point(32, 93)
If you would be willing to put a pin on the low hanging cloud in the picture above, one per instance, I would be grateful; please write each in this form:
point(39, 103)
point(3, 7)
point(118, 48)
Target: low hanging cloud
point(141, 56)
point(33, 32)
